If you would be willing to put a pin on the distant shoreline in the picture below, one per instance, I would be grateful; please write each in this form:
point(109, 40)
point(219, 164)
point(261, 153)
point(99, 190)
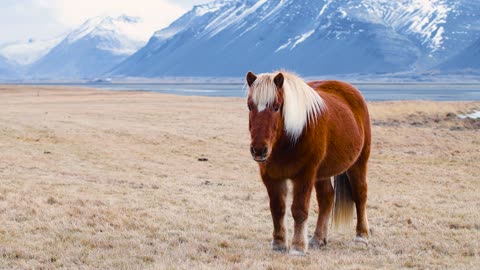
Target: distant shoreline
point(226, 83)
point(403, 78)
point(373, 91)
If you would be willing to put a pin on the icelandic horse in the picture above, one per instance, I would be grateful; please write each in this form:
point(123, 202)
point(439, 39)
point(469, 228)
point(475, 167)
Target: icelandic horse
point(308, 133)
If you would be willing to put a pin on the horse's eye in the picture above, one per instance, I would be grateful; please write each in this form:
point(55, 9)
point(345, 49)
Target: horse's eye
point(249, 108)
point(276, 109)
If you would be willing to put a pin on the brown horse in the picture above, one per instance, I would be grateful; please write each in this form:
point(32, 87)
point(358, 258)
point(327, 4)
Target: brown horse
point(309, 133)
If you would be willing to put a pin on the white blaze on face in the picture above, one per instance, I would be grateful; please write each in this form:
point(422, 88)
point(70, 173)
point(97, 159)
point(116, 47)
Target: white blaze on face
point(263, 91)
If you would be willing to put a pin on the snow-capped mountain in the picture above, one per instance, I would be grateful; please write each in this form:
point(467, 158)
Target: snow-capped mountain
point(312, 37)
point(440, 28)
point(27, 52)
point(95, 47)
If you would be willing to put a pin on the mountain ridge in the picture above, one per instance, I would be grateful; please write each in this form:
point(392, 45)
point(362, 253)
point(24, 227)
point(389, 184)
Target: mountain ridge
point(225, 38)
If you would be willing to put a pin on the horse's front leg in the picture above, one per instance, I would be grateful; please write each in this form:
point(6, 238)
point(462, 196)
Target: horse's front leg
point(325, 198)
point(302, 191)
point(277, 192)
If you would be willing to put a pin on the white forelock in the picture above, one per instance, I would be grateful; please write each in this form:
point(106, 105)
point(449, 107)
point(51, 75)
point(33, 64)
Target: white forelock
point(301, 103)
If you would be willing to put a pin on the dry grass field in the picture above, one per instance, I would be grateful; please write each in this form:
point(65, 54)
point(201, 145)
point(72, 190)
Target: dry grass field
point(114, 180)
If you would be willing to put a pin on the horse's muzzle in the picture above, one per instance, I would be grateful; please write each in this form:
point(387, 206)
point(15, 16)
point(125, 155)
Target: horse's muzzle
point(259, 154)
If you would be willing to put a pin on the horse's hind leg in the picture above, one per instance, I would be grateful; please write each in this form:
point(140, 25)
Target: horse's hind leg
point(357, 176)
point(325, 198)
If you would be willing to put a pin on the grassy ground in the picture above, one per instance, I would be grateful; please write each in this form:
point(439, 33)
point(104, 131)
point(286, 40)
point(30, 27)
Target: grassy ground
point(112, 180)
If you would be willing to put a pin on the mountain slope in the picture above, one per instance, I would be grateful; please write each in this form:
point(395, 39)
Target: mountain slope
point(466, 60)
point(95, 47)
point(226, 38)
point(7, 70)
point(439, 28)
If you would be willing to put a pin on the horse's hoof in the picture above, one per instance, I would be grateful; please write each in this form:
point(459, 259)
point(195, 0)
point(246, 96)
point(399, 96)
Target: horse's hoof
point(316, 244)
point(297, 252)
point(361, 240)
point(279, 247)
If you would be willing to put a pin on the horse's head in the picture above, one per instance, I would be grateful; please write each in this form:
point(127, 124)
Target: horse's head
point(265, 102)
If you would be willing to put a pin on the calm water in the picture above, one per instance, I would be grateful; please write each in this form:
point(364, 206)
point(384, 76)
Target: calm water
point(372, 92)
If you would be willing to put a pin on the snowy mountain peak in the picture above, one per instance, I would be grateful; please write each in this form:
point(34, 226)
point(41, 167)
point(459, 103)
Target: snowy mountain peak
point(105, 26)
point(129, 19)
point(92, 49)
point(201, 10)
point(193, 17)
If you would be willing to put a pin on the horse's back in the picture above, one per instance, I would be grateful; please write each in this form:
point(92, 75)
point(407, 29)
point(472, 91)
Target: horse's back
point(339, 94)
point(337, 91)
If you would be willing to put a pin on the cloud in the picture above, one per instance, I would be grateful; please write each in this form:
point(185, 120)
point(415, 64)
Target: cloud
point(155, 14)
point(189, 3)
point(22, 19)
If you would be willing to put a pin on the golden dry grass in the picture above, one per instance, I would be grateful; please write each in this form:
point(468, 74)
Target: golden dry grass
point(112, 180)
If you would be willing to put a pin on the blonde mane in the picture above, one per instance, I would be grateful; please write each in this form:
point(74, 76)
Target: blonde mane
point(301, 103)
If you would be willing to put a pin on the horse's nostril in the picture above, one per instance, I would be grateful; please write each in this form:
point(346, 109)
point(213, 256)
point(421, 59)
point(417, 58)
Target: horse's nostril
point(259, 151)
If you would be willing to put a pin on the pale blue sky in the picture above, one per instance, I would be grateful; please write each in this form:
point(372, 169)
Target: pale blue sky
point(43, 19)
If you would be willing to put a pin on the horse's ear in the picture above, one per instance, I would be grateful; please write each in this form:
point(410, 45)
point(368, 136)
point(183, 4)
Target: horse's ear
point(251, 78)
point(278, 80)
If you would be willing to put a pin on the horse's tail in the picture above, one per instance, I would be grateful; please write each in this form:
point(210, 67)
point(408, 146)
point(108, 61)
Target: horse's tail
point(343, 207)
